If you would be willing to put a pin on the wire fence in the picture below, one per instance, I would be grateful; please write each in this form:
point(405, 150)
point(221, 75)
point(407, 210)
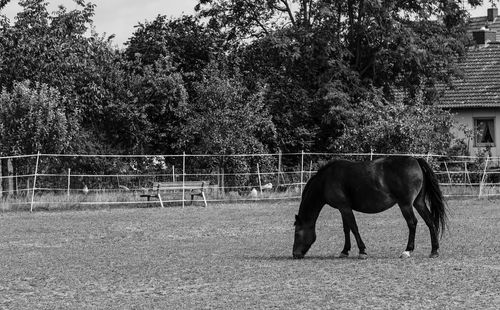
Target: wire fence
point(46, 181)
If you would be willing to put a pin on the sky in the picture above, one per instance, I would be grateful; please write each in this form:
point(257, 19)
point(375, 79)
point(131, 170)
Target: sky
point(119, 17)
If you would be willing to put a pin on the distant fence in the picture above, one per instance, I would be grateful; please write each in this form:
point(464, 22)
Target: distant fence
point(51, 180)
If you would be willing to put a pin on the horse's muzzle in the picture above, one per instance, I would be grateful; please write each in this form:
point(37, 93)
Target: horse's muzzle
point(298, 256)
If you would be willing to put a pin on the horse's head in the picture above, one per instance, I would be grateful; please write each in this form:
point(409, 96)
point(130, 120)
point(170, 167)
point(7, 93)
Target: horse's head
point(305, 235)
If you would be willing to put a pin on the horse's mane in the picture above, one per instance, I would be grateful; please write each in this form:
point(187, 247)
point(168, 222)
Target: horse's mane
point(320, 171)
point(318, 174)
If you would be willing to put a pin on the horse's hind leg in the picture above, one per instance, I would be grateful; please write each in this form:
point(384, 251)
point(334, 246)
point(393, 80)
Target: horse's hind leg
point(427, 217)
point(347, 234)
point(411, 220)
point(348, 217)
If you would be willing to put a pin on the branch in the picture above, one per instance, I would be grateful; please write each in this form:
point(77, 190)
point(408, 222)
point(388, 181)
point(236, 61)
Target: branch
point(3, 3)
point(289, 11)
point(255, 17)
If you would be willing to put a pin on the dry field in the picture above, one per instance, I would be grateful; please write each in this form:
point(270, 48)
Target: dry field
point(239, 257)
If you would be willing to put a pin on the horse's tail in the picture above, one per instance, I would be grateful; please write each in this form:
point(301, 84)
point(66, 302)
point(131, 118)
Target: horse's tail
point(435, 197)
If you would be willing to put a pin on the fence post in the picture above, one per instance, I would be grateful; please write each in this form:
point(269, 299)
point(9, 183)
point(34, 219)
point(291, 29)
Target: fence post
point(34, 181)
point(69, 180)
point(448, 173)
point(302, 172)
point(483, 179)
point(260, 182)
point(183, 177)
point(279, 170)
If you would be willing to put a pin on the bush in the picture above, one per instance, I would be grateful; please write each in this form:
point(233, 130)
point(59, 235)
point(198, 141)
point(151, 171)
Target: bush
point(33, 119)
point(396, 127)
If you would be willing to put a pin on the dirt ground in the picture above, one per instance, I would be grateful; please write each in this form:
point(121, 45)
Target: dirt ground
point(239, 257)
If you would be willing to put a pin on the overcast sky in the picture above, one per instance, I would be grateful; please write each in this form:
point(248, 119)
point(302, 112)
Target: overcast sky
point(120, 16)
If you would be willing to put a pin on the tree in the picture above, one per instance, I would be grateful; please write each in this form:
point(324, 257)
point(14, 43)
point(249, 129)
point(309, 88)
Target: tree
point(32, 119)
point(399, 128)
point(227, 118)
point(159, 101)
point(3, 3)
point(190, 44)
point(53, 50)
point(336, 54)
point(121, 105)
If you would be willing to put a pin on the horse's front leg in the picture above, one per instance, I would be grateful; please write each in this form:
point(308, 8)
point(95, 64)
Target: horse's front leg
point(348, 217)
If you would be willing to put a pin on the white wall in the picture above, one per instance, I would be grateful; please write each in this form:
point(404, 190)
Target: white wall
point(466, 117)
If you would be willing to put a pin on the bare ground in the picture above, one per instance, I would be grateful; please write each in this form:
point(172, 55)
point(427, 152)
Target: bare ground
point(239, 257)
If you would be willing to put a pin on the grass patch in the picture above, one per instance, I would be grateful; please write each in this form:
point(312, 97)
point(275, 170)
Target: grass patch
point(234, 256)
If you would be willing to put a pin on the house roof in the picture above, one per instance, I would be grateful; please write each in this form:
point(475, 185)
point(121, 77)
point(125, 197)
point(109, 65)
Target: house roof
point(477, 23)
point(480, 85)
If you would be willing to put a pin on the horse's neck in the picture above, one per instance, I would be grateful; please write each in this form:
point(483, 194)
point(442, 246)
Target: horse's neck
point(310, 207)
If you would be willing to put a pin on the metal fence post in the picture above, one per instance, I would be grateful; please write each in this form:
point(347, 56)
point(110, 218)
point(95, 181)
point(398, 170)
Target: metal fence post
point(483, 179)
point(34, 181)
point(260, 182)
point(69, 180)
point(183, 177)
point(302, 172)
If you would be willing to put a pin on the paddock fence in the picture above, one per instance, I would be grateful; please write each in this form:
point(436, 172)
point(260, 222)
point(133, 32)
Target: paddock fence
point(52, 181)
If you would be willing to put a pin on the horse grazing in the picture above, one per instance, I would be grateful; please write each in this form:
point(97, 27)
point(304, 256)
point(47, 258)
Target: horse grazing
point(371, 187)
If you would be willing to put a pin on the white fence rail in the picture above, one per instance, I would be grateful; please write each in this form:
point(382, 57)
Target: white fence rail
point(52, 180)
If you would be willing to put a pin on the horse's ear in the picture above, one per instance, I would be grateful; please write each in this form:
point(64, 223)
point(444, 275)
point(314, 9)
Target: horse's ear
point(297, 221)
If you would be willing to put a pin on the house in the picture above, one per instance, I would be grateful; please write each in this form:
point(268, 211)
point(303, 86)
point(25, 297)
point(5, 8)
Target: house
point(475, 98)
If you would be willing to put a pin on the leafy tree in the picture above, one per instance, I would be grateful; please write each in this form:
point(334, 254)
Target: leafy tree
point(158, 100)
point(54, 50)
point(3, 3)
point(333, 55)
point(385, 127)
point(190, 44)
point(46, 48)
point(227, 118)
point(32, 119)
point(121, 105)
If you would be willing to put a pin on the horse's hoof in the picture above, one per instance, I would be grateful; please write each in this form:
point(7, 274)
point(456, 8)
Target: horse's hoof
point(343, 255)
point(405, 255)
point(434, 255)
point(363, 256)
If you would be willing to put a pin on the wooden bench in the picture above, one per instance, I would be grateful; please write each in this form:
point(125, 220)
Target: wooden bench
point(195, 188)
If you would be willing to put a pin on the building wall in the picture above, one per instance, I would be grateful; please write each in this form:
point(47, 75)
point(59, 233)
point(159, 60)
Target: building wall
point(465, 118)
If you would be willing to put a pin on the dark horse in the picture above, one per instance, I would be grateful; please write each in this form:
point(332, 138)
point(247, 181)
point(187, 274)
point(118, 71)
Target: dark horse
point(371, 187)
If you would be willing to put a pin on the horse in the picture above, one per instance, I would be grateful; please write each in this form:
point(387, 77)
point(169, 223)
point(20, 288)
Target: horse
point(371, 187)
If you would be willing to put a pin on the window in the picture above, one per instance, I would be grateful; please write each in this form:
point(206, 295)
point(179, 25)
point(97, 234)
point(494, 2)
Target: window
point(484, 129)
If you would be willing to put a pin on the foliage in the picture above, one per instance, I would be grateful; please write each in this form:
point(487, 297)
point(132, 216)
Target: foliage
point(189, 43)
point(395, 128)
point(122, 106)
point(318, 56)
point(227, 118)
point(294, 75)
point(159, 100)
point(32, 118)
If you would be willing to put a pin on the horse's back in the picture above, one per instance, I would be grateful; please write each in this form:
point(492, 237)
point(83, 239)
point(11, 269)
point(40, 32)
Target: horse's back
point(373, 186)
